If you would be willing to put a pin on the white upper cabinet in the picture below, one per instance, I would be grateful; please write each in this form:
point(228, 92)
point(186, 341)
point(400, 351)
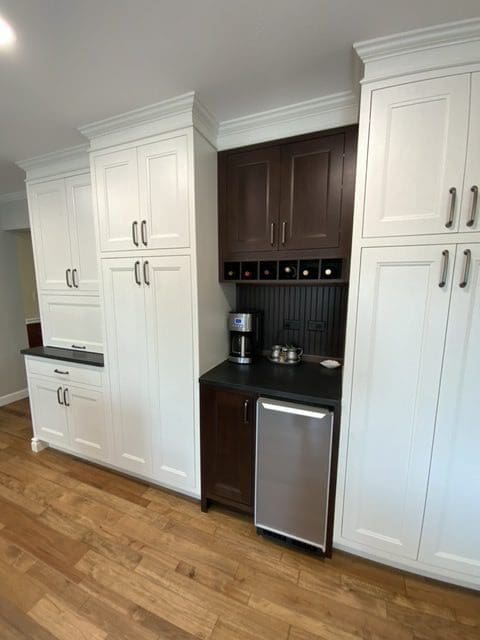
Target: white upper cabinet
point(401, 323)
point(143, 196)
point(170, 329)
point(470, 219)
point(128, 353)
point(50, 228)
point(164, 193)
point(117, 200)
point(64, 234)
point(451, 530)
point(82, 233)
point(416, 157)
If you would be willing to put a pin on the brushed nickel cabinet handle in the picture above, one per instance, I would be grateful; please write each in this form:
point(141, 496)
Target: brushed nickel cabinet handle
point(75, 278)
point(284, 231)
point(59, 395)
point(443, 277)
point(146, 274)
point(66, 397)
point(67, 278)
point(245, 411)
point(63, 373)
point(272, 233)
point(451, 213)
point(466, 269)
point(137, 272)
point(135, 233)
point(473, 212)
point(143, 229)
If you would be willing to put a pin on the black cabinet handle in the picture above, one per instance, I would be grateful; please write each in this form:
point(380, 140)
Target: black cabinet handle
point(473, 214)
point(135, 233)
point(64, 373)
point(146, 274)
point(66, 397)
point(67, 278)
point(451, 213)
point(443, 277)
point(466, 270)
point(77, 346)
point(143, 229)
point(75, 278)
point(246, 404)
point(59, 395)
point(137, 273)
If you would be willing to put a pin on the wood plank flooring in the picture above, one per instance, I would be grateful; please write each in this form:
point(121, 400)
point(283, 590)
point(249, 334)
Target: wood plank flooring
point(86, 554)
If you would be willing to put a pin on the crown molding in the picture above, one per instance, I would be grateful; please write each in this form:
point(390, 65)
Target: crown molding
point(70, 160)
point(174, 113)
point(327, 112)
point(11, 197)
point(443, 45)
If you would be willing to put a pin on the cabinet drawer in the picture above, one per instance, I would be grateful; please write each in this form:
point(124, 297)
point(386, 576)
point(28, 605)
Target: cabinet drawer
point(67, 372)
point(72, 320)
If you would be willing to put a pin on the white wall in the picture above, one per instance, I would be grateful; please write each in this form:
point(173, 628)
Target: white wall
point(14, 213)
point(13, 335)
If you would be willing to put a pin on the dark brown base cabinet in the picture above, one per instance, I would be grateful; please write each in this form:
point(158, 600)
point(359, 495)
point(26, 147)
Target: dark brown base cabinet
point(227, 447)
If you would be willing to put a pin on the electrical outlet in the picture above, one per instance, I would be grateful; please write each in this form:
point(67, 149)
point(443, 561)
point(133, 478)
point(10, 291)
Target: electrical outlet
point(293, 325)
point(317, 325)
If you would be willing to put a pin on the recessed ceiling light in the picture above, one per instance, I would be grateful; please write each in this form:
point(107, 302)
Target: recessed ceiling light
point(7, 34)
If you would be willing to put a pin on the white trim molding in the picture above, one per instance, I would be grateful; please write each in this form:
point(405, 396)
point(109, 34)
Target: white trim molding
point(13, 397)
point(326, 112)
point(12, 197)
point(175, 113)
point(72, 159)
point(445, 45)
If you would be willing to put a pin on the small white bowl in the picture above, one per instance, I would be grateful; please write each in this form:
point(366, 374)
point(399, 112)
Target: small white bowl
point(330, 364)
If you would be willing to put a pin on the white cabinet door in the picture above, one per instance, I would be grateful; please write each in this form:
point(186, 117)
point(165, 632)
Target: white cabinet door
point(164, 194)
point(87, 422)
point(451, 530)
point(49, 413)
point(127, 352)
point(416, 154)
point(401, 323)
point(82, 233)
point(170, 331)
point(49, 219)
point(117, 200)
point(470, 220)
point(72, 322)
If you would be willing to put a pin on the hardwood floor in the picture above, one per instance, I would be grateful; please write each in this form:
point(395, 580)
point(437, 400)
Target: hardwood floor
point(86, 554)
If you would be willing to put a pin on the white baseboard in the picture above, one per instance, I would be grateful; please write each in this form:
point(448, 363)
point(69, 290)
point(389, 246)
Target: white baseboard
point(13, 397)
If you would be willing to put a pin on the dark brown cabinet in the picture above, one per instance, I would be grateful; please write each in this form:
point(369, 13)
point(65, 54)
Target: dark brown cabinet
point(227, 447)
point(289, 198)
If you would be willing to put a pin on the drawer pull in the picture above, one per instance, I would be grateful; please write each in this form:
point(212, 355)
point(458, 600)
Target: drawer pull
point(245, 411)
point(77, 346)
point(64, 373)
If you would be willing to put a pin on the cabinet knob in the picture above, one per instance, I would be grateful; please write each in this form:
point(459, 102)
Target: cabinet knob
point(305, 272)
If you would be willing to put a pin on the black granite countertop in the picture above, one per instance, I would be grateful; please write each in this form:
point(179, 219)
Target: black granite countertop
point(67, 355)
point(307, 382)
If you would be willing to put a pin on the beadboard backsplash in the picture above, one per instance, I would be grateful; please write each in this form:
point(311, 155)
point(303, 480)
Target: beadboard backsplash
point(302, 305)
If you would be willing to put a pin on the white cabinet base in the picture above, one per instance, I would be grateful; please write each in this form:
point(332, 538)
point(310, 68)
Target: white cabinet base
point(38, 445)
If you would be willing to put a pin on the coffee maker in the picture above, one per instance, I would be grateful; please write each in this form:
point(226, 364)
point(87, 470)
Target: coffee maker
point(244, 336)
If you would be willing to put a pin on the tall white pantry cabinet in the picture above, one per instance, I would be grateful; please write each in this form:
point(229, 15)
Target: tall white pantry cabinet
point(149, 260)
point(409, 469)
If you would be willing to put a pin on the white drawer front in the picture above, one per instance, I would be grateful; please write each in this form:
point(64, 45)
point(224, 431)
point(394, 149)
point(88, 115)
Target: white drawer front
point(66, 372)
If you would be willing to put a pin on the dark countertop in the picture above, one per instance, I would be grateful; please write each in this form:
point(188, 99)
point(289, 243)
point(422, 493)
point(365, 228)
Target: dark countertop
point(67, 355)
point(307, 382)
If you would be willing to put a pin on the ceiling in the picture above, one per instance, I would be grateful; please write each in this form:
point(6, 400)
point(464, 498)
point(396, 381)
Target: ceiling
point(77, 61)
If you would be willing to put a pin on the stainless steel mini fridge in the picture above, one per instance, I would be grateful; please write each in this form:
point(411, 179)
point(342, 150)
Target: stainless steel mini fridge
point(292, 480)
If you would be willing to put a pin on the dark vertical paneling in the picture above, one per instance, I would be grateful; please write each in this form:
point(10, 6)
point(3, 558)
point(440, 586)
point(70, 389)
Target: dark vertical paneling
point(303, 303)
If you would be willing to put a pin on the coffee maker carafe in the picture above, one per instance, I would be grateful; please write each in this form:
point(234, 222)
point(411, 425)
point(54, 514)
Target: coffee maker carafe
point(244, 336)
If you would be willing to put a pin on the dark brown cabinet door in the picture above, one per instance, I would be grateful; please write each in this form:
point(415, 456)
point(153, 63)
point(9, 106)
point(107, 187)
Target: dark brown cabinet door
point(228, 446)
point(311, 193)
point(252, 200)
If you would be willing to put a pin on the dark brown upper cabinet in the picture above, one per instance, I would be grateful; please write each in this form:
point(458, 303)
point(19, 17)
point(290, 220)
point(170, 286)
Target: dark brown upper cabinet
point(288, 198)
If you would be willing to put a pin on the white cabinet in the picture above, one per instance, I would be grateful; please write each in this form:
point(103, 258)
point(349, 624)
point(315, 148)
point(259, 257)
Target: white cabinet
point(143, 196)
point(117, 200)
point(68, 407)
point(164, 193)
point(49, 413)
point(400, 327)
point(148, 305)
point(63, 230)
point(168, 305)
point(471, 202)
point(416, 157)
point(50, 229)
point(72, 322)
point(451, 529)
point(127, 348)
